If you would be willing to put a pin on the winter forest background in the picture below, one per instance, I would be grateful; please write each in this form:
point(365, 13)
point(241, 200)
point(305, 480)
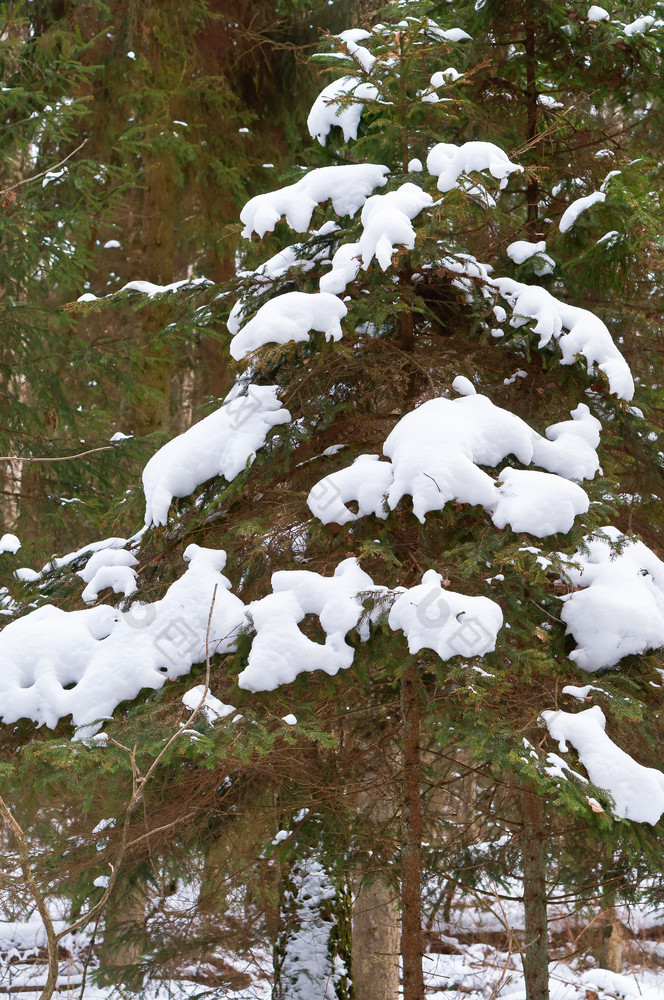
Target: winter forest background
point(331, 395)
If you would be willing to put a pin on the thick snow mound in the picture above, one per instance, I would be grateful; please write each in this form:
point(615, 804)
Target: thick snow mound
point(386, 221)
point(537, 502)
point(280, 651)
point(435, 454)
point(290, 318)
point(448, 162)
point(347, 187)
point(85, 663)
point(328, 110)
point(451, 624)
point(578, 332)
point(219, 445)
point(638, 791)
point(619, 609)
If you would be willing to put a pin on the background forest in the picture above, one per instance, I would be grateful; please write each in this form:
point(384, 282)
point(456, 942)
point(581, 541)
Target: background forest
point(311, 686)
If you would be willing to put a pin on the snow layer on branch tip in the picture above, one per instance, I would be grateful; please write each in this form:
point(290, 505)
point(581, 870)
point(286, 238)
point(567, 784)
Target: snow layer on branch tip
point(638, 791)
point(522, 250)
point(578, 331)
point(435, 456)
point(572, 213)
point(619, 608)
point(109, 568)
point(328, 109)
point(85, 663)
point(386, 221)
point(212, 708)
point(290, 318)
point(346, 186)
point(449, 623)
point(219, 445)
point(448, 162)
point(280, 651)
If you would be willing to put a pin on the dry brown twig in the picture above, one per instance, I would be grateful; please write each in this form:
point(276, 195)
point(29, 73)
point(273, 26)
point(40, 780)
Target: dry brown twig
point(139, 782)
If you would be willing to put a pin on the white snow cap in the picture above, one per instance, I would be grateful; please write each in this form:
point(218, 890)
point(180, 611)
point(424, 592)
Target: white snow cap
point(212, 708)
point(448, 162)
point(596, 13)
point(619, 609)
point(109, 568)
point(522, 250)
point(451, 624)
point(85, 663)
point(435, 454)
point(638, 791)
point(386, 225)
point(571, 214)
point(639, 26)
point(290, 318)
point(9, 543)
point(280, 651)
point(347, 187)
point(327, 110)
point(219, 445)
point(578, 331)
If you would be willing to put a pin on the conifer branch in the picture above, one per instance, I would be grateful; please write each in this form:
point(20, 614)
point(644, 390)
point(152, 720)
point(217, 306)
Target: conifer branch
point(42, 173)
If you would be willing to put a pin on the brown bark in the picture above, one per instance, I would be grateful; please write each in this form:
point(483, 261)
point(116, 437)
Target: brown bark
point(533, 189)
point(610, 952)
point(375, 940)
point(125, 924)
point(411, 874)
point(533, 854)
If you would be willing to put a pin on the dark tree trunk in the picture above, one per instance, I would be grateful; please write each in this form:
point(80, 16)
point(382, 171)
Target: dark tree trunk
point(533, 189)
point(533, 853)
point(411, 875)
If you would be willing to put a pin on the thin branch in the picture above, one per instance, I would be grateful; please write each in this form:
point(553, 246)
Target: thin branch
point(60, 458)
point(35, 177)
point(37, 895)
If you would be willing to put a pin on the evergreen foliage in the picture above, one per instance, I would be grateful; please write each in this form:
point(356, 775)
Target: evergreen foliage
point(429, 770)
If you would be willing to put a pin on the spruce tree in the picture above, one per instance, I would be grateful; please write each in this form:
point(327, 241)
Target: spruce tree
point(372, 558)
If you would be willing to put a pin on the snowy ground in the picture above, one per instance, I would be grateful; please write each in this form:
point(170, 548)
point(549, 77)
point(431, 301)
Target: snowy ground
point(470, 969)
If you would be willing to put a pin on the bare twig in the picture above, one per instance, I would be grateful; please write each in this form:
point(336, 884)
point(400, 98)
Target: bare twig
point(60, 458)
point(138, 783)
point(35, 177)
point(37, 895)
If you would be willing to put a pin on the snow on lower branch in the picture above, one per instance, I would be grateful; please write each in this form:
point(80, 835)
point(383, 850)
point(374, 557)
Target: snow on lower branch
point(448, 162)
point(347, 187)
point(578, 331)
point(280, 651)
point(340, 103)
point(638, 791)
point(386, 221)
point(435, 455)
point(290, 318)
point(219, 445)
point(618, 609)
point(85, 663)
point(572, 213)
point(451, 624)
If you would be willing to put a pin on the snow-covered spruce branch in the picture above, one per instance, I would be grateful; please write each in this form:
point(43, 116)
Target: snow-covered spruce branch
point(139, 782)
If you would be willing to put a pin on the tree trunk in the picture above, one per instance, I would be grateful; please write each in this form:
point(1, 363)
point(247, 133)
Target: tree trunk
point(610, 952)
point(533, 854)
point(411, 874)
point(375, 940)
point(533, 188)
point(123, 934)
